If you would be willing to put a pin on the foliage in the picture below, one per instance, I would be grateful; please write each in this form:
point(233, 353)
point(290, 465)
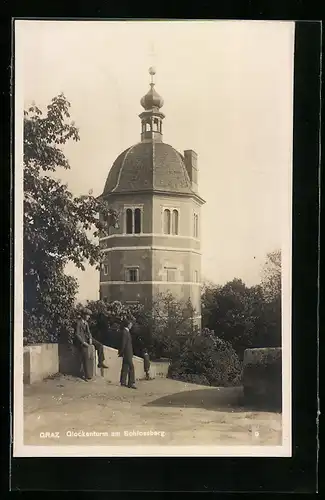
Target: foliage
point(246, 316)
point(105, 322)
point(206, 359)
point(271, 281)
point(164, 325)
point(56, 223)
point(50, 310)
point(231, 311)
point(162, 328)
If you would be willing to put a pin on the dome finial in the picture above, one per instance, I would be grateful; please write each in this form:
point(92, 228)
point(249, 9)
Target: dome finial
point(152, 72)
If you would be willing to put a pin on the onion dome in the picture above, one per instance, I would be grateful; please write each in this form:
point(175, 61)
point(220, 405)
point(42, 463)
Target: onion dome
point(152, 100)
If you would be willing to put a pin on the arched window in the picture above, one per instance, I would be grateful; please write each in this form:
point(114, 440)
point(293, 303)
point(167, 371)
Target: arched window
point(133, 220)
point(148, 127)
point(175, 222)
point(167, 221)
point(129, 222)
point(137, 220)
point(156, 125)
point(196, 226)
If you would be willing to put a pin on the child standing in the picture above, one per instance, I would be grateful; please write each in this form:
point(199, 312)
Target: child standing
point(146, 363)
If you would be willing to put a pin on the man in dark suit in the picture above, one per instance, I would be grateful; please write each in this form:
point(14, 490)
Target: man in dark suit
point(83, 339)
point(127, 378)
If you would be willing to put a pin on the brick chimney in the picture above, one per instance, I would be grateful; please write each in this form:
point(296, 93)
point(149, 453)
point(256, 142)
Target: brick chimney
point(190, 158)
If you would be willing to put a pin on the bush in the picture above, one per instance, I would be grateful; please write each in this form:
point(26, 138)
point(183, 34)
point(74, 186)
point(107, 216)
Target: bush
point(207, 360)
point(194, 379)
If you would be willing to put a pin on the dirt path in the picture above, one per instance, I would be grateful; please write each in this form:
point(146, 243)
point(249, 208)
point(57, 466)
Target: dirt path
point(182, 414)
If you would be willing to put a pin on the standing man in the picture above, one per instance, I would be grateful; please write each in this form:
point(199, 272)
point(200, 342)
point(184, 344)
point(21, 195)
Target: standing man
point(83, 340)
point(126, 352)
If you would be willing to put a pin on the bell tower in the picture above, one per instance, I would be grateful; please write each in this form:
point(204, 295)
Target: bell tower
point(156, 249)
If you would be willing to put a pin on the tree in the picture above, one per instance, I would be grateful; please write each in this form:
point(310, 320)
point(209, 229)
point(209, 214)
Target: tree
point(271, 286)
point(56, 223)
point(168, 321)
point(271, 280)
point(231, 311)
point(242, 316)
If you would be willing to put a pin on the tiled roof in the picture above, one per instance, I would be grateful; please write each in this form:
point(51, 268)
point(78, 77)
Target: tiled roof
point(148, 166)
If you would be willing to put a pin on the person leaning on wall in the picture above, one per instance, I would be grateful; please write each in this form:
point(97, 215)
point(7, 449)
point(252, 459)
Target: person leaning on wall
point(83, 339)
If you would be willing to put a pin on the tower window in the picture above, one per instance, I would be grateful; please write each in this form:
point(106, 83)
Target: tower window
point(105, 269)
point(171, 274)
point(132, 274)
point(129, 221)
point(196, 276)
point(133, 220)
point(137, 220)
point(171, 221)
point(147, 127)
point(175, 222)
point(196, 226)
point(167, 221)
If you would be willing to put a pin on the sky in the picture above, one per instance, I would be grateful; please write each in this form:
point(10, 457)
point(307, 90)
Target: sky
point(228, 92)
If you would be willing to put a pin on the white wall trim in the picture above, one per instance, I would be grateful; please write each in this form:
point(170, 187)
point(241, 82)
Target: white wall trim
point(167, 249)
point(143, 235)
point(192, 283)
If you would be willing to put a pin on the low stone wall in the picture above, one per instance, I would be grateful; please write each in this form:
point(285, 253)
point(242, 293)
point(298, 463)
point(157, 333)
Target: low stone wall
point(70, 362)
point(40, 361)
point(44, 360)
point(114, 363)
point(161, 368)
point(158, 369)
point(262, 378)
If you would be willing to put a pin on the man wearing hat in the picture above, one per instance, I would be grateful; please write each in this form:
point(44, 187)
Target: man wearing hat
point(84, 340)
point(127, 378)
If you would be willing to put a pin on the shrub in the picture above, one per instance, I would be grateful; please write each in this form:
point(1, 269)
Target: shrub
point(207, 360)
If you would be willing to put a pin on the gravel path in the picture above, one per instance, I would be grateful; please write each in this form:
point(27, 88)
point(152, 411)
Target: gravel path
point(166, 412)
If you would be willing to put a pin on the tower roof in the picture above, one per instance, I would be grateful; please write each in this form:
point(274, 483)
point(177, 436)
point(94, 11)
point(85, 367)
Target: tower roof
point(149, 166)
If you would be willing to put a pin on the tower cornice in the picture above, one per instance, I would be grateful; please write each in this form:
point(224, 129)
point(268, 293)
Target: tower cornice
point(154, 192)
